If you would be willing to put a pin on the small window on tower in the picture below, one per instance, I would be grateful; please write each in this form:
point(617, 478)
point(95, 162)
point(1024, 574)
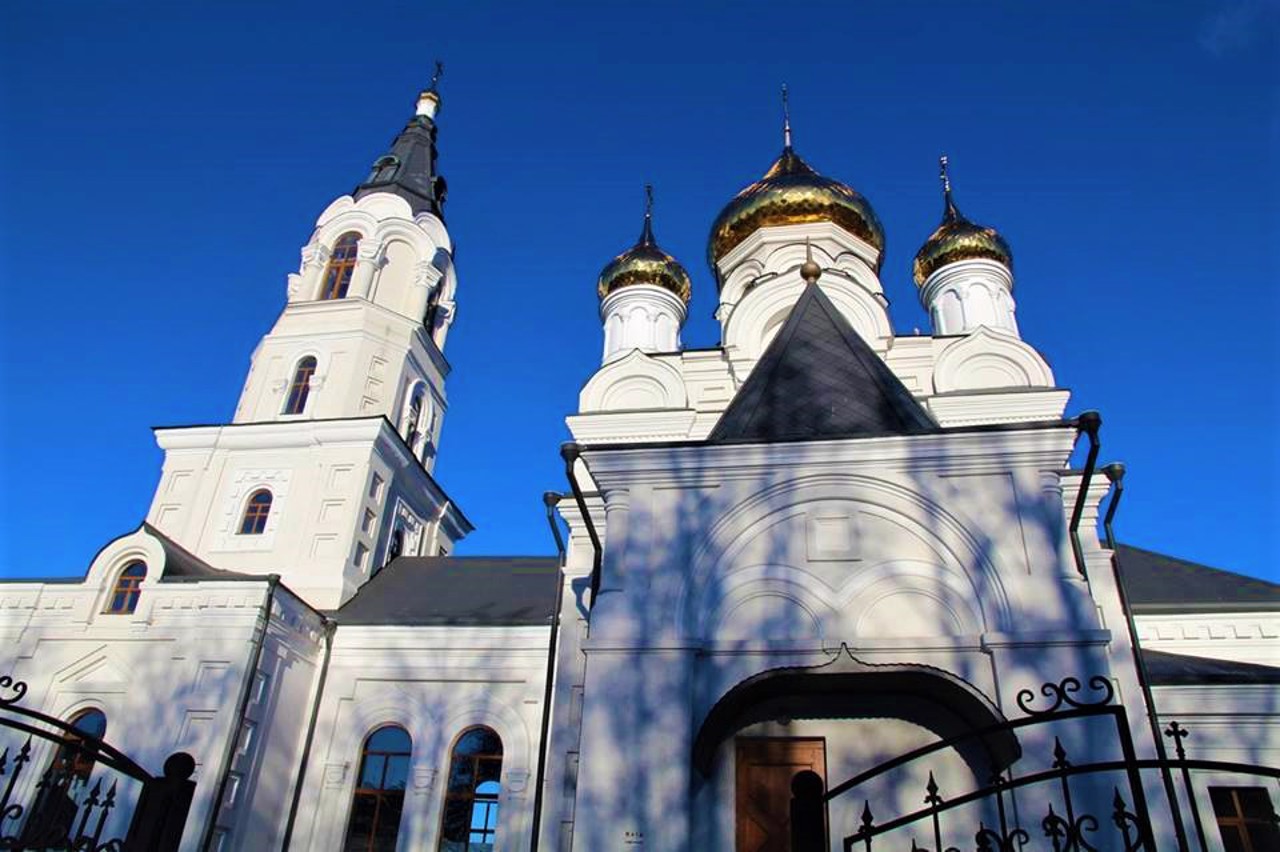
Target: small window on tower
point(256, 512)
point(413, 418)
point(384, 170)
point(300, 388)
point(128, 588)
point(342, 263)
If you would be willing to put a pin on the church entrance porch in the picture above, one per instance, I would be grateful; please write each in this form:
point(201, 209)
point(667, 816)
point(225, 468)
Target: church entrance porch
point(764, 769)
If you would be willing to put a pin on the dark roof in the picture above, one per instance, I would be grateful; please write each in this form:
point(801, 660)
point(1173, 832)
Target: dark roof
point(819, 379)
point(409, 169)
point(422, 590)
point(1181, 670)
point(1158, 583)
point(182, 564)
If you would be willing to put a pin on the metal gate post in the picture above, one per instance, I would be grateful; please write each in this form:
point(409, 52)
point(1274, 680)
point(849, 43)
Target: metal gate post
point(161, 813)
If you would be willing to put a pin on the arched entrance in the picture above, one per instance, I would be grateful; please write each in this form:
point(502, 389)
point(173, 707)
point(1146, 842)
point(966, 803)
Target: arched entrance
point(836, 715)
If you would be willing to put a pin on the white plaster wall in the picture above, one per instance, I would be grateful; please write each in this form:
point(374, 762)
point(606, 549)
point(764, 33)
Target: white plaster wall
point(1249, 637)
point(166, 676)
point(322, 476)
point(268, 750)
point(722, 562)
point(435, 682)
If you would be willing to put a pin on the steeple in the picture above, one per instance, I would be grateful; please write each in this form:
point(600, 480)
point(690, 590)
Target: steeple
point(409, 168)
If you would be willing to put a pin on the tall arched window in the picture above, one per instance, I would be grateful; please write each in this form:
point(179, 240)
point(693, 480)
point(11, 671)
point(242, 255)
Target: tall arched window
point(342, 263)
point(300, 388)
point(471, 797)
point(73, 761)
point(379, 797)
point(395, 546)
point(53, 811)
point(256, 512)
point(128, 588)
point(413, 418)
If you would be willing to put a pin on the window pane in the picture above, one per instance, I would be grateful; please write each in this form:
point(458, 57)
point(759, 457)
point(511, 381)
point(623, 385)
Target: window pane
point(1223, 805)
point(361, 823)
point(390, 738)
point(490, 773)
point(457, 819)
point(1264, 836)
point(462, 777)
point(1232, 840)
point(388, 823)
point(1254, 802)
point(397, 773)
point(91, 722)
point(371, 772)
point(478, 741)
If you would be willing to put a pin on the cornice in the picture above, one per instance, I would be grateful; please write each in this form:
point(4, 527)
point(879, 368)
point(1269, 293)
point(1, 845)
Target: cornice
point(947, 452)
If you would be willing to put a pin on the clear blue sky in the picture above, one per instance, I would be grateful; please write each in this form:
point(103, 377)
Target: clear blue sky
point(162, 164)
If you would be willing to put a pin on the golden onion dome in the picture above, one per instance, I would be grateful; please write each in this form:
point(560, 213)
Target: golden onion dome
point(958, 239)
point(645, 263)
point(792, 193)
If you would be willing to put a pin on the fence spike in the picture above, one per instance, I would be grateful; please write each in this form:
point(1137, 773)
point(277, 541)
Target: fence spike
point(1059, 755)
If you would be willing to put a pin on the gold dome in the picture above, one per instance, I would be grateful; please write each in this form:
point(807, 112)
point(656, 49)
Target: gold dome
point(645, 263)
point(791, 193)
point(958, 239)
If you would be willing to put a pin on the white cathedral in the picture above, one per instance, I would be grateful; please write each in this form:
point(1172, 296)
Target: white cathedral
point(817, 548)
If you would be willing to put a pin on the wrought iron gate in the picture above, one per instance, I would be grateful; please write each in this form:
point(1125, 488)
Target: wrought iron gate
point(72, 804)
point(1048, 802)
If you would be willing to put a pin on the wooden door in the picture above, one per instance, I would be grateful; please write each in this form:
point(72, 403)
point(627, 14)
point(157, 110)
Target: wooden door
point(764, 769)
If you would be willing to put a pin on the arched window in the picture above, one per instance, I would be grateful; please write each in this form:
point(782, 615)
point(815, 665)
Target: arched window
point(128, 588)
point(75, 757)
point(471, 797)
point(395, 547)
point(342, 262)
point(413, 418)
point(53, 811)
point(255, 513)
point(379, 797)
point(300, 389)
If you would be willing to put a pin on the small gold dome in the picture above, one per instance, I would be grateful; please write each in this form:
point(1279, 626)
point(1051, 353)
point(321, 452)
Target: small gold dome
point(791, 193)
point(958, 239)
point(645, 263)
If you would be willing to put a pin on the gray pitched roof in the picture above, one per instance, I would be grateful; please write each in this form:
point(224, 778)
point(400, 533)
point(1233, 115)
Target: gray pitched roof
point(425, 590)
point(819, 379)
point(1158, 583)
point(1182, 670)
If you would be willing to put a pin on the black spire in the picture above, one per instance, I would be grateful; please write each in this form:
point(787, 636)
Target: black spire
point(646, 233)
point(409, 168)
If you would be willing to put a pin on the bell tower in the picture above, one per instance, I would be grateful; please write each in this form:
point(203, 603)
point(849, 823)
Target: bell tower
point(324, 473)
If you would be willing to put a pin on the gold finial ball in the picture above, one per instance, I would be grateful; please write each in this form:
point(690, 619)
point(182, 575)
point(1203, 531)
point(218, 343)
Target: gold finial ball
point(810, 271)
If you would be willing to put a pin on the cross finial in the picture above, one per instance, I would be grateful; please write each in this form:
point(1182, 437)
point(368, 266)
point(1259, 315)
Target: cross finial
point(943, 175)
point(646, 233)
point(435, 78)
point(786, 118)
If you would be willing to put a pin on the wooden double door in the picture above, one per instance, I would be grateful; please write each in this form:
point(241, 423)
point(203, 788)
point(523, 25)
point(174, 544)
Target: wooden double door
point(764, 769)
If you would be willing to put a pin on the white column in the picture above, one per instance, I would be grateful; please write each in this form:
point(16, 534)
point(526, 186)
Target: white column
point(369, 259)
point(314, 259)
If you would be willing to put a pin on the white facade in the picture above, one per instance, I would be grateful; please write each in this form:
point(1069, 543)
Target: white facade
point(924, 579)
